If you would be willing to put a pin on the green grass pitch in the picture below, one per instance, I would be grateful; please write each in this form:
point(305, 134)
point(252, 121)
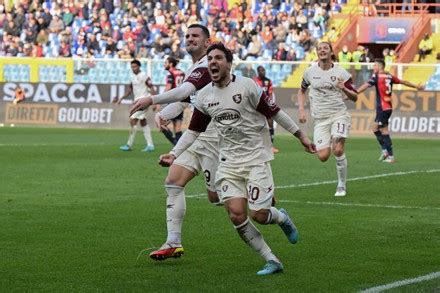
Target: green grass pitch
point(75, 213)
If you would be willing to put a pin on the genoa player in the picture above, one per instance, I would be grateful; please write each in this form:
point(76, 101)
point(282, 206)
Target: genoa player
point(383, 82)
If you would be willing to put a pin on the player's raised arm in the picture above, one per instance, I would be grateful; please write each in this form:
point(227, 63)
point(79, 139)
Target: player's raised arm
point(177, 94)
point(169, 112)
point(199, 123)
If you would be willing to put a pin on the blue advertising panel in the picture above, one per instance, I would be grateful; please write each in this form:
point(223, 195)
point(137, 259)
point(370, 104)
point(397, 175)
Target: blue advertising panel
point(384, 29)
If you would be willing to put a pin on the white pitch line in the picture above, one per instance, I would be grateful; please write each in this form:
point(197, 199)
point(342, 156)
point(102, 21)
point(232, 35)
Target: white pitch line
point(50, 144)
point(401, 283)
point(199, 195)
point(360, 205)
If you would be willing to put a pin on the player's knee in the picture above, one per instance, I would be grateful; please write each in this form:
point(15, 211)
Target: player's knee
point(323, 157)
point(237, 218)
point(338, 151)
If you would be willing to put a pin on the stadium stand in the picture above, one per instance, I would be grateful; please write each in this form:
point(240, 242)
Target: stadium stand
point(106, 31)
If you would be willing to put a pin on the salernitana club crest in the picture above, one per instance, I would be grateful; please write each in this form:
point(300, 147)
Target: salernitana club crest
point(237, 98)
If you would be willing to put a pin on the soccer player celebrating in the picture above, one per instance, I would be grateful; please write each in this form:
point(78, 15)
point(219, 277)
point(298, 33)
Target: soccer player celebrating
point(201, 157)
point(174, 78)
point(329, 84)
point(140, 86)
point(239, 109)
point(266, 84)
point(383, 82)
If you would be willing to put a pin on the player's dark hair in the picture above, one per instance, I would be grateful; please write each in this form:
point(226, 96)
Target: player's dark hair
point(221, 47)
point(173, 61)
point(203, 28)
point(380, 61)
point(134, 61)
point(260, 67)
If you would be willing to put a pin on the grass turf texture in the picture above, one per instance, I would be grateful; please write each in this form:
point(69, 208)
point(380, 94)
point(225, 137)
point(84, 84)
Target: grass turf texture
point(76, 211)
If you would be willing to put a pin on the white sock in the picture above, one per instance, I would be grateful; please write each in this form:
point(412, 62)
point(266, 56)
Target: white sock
point(250, 234)
point(176, 208)
point(275, 216)
point(147, 134)
point(341, 169)
point(131, 135)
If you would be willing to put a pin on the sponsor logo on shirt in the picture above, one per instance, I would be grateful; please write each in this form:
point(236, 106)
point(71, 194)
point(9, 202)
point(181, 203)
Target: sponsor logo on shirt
point(333, 78)
point(228, 117)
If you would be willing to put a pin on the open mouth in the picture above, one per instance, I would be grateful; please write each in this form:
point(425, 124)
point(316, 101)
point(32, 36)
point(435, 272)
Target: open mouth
point(214, 70)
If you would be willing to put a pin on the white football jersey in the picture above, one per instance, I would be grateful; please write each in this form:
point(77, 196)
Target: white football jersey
point(326, 99)
point(138, 82)
point(243, 131)
point(198, 75)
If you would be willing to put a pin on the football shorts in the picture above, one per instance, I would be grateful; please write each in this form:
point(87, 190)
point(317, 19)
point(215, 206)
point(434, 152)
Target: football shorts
point(383, 118)
point(332, 127)
point(139, 115)
point(255, 183)
point(201, 156)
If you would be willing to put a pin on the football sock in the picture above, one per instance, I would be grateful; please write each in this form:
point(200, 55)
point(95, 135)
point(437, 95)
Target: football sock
point(178, 136)
point(147, 134)
point(379, 138)
point(272, 134)
point(131, 135)
point(176, 208)
point(275, 216)
point(169, 135)
point(250, 234)
point(341, 169)
point(388, 144)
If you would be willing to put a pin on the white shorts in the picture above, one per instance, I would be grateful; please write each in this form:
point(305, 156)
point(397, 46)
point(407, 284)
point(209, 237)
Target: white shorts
point(255, 183)
point(202, 156)
point(333, 127)
point(139, 115)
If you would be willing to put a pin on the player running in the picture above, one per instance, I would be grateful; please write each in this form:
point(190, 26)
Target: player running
point(329, 84)
point(140, 86)
point(383, 82)
point(239, 108)
point(201, 157)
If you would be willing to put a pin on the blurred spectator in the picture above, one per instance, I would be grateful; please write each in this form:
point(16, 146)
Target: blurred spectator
point(248, 70)
point(280, 54)
point(291, 55)
point(344, 56)
point(56, 25)
point(254, 48)
point(357, 56)
point(425, 47)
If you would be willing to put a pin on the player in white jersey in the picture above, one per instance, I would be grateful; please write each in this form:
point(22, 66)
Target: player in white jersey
point(201, 157)
point(329, 86)
point(238, 108)
point(140, 86)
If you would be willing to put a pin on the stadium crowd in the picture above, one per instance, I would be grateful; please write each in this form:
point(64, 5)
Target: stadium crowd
point(281, 30)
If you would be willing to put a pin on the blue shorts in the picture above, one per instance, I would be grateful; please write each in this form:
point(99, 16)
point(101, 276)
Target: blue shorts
point(383, 118)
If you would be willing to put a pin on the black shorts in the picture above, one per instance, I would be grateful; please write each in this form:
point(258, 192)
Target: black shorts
point(178, 118)
point(383, 118)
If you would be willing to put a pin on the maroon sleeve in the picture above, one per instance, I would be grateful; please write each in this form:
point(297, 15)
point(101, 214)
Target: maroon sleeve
point(267, 107)
point(199, 121)
point(395, 79)
point(349, 84)
point(199, 77)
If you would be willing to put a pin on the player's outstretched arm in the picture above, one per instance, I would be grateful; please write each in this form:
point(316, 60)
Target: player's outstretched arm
point(420, 87)
point(169, 112)
point(287, 123)
point(185, 142)
point(363, 87)
point(177, 94)
point(301, 112)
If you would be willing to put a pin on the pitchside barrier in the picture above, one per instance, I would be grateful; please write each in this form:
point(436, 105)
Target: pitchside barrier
point(82, 98)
